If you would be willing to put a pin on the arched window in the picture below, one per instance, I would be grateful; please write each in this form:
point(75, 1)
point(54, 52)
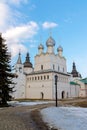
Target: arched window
point(47, 76)
point(42, 95)
point(44, 77)
point(41, 77)
point(38, 77)
point(41, 67)
point(58, 68)
point(53, 66)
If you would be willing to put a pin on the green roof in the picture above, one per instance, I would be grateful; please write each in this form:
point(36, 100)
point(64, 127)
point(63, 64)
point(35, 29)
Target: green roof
point(84, 80)
point(73, 83)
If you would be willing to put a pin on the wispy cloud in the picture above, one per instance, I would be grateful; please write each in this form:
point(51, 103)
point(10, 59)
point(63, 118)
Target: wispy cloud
point(4, 16)
point(17, 34)
point(15, 2)
point(47, 25)
point(14, 31)
point(22, 31)
point(68, 20)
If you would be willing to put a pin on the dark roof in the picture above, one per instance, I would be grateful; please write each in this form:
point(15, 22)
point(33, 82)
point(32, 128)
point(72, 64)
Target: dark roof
point(27, 62)
point(74, 72)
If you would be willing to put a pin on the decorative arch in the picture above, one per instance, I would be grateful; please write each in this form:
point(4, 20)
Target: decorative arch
point(63, 94)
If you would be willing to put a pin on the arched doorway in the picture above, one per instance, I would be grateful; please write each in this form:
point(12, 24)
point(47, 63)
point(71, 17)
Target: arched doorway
point(63, 94)
point(42, 95)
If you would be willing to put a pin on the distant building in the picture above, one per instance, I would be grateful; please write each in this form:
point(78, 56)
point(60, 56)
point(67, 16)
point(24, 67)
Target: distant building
point(83, 86)
point(38, 82)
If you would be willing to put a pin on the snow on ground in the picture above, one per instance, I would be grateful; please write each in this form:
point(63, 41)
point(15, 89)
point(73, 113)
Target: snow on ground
point(66, 118)
point(17, 103)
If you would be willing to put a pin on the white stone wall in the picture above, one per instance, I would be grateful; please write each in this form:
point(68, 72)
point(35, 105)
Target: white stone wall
point(50, 61)
point(34, 88)
point(27, 70)
point(82, 91)
point(74, 91)
point(19, 90)
point(62, 86)
point(20, 80)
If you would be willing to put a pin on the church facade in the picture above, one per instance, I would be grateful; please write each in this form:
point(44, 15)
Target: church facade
point(38, 82)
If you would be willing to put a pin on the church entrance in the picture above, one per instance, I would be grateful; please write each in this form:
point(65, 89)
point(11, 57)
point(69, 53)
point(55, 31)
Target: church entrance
point(63, 94)
point(42, 95)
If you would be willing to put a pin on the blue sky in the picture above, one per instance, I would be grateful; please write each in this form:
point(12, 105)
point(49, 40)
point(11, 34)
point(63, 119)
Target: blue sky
point(26, 23)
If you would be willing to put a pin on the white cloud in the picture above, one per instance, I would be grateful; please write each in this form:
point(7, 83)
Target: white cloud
point(16, 35)
point(4, 16)
point(15, 2)
point(15, 48)
point(14, 32)
point(47, 25)
point(21, 32)
point(18, 1)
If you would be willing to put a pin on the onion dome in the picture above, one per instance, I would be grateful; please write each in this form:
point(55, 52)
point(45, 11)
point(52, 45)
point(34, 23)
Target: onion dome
point(27, 62)
point(59, 49)
point(50, 42)
point(40, 46)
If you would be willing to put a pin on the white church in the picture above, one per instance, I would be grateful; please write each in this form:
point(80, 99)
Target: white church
point(38, 82)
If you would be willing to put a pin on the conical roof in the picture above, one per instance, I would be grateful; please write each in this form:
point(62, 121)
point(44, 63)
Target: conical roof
point(27, 62)
point(19, 59)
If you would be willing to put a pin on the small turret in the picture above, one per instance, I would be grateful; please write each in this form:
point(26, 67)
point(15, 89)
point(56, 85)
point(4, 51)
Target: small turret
point(50, 45)
point(60, 51)
point(27, 64)
point(40, 48)
point(19, 65)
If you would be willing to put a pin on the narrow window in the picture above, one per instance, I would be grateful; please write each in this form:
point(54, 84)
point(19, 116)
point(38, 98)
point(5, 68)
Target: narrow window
point(41, 67)
point(53, 67)
point(44, 77)
point(63, 69)
point(47, 76)
point(38, 77)
point(58, 68)
point(41, 77)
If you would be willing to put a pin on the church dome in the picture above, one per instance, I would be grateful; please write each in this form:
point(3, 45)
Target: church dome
point(27, 62)
point(50, 42)
point(59, 48)
point(40, 46)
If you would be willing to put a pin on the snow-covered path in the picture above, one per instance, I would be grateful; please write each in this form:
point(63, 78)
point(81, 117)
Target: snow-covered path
point(66, 118)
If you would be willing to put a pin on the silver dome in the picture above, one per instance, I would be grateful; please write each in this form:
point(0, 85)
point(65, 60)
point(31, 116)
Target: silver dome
point(40, 46)
point(50, 42)
point(59, 48)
